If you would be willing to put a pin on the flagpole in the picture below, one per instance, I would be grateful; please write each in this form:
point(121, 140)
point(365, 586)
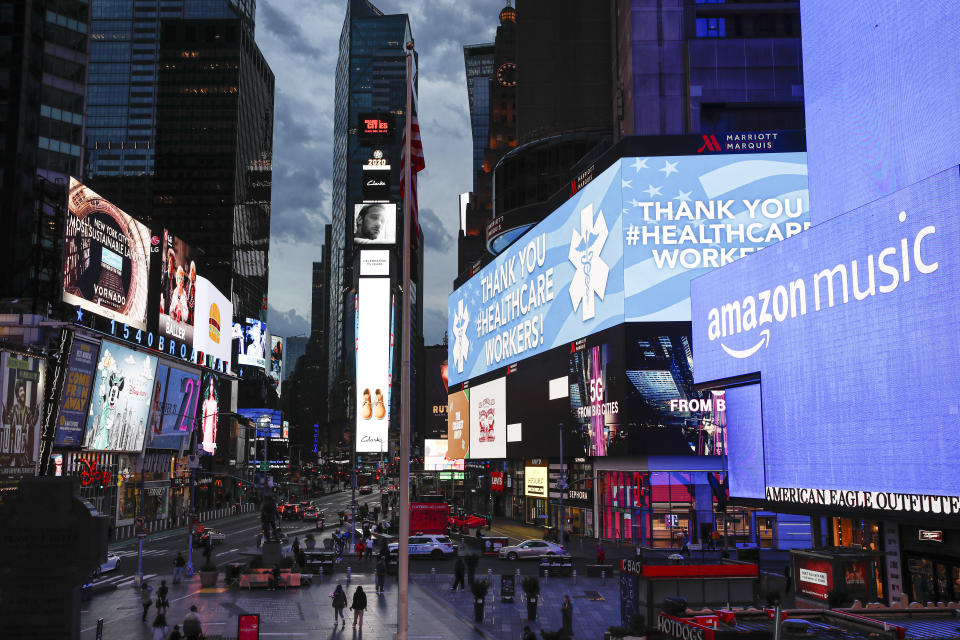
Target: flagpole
point(403, 556)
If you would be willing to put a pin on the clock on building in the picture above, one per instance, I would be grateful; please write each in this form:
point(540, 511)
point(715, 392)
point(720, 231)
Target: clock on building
point(507, 74)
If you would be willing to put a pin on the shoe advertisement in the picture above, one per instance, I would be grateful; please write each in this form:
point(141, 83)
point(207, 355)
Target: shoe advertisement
point(488, 415)
point(373, 364)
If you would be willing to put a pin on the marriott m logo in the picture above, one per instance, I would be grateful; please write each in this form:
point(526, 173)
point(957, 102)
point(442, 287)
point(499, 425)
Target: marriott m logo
point(709, 143)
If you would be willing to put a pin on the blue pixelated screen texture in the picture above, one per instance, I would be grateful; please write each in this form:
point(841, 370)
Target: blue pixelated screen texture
point(860, 394)
point(744, 442)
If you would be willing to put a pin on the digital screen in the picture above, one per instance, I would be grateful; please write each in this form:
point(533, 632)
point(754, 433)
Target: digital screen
point(535, 482)
point(373, 346)
point(745, 436)
point(209, 412)
point(436, 387)
point(250, 343)
point(120, 407)
point(623, 248)
point(177, 291)
point(268, 421)
point(173, 411)
point(851, 328)
point(435, 456)
point(596, 393)
point(105, 258)
point(376, 183)
point(214, 313)
point(72, 415)
point(375, 223)
point(458, 425)
point(488, 417)
point(276, 361)
point(22, 396)
point(375, 125)
point(375, 262)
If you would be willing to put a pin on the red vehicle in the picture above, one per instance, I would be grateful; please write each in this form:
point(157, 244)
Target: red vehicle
point(465, 521)
point(428, 517)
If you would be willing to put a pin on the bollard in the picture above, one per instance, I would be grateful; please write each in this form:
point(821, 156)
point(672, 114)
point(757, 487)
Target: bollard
point(518, 575)
point(603, 577)
point(546, 575)
point(490, 576)
point(348, 573)
point(321, 574)
point(433, 572)
point(574, 576)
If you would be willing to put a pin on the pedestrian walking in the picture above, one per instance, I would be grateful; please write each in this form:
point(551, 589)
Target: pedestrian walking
point(275, 577)
point(192, 626)
point(295, 547)
point(339, 603)
point(601, 554)
point(162, 603)
point(369, 547)
point(160, 627)
point(359, 606)
point(178, 564)
point(145, 598)
point(458, 571)
point(359, 549)
point(381, 573)
point(566, 616)
point(714, 539)
point(175, 634)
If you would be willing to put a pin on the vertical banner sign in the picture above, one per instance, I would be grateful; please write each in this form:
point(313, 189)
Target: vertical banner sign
point(22, 393)
point(373, 355)
point(72, 415)
point(248, 626)
point(891, 549)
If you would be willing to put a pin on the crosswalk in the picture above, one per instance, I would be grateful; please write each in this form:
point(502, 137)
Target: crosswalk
point(132, 553)
point(118, 581)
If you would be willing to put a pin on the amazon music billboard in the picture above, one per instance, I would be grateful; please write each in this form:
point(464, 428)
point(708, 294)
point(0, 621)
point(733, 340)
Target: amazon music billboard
point(849, 334)
point(624, 249)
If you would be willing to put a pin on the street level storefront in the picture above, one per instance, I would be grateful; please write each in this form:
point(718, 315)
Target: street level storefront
point(931, 563)
point(98, 473)
point(577, 498)
point(535, 489)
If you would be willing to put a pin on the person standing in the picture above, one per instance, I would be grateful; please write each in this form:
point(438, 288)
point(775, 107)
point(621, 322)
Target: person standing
point(192, 627)
point(458, 571)
point(175, 634)
point(381, 573)
point(178, 564)
point(359, 549)
point(145, 599)
point(339, 603)
point(295, 547)
point(566, 616)
point(162, 603)
point(359, 606)
point(601, 554)
point(160, 627)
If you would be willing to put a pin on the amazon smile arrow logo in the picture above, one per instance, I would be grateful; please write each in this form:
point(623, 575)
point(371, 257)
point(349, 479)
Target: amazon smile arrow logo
point(746, 353)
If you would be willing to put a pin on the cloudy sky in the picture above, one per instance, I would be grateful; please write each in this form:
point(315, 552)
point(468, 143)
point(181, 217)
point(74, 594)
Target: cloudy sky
point(299, 40)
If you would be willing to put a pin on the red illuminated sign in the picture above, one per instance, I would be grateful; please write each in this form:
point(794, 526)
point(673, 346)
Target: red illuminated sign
point(375, 125)
point(496, 481)
point(90, 474)
point(248, 626)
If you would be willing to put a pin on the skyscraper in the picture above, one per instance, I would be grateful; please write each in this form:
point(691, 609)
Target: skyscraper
point(370, 80)
point(181, 131)
point(43, 69)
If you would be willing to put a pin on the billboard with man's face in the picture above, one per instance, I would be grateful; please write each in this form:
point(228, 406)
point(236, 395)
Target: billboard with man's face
point(22, 397)
point(375, 223)
point(106, 257)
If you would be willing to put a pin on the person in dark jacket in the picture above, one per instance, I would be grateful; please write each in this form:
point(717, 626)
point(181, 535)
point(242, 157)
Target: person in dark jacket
point(162, 603)
point(145, 599)
point(175, 634)
point(458, 571)
point(339, 604)
point(359, 606)
point(381, 573)
point(275, 577)
point(178, 564)
point(566, 616)
point(192, 626)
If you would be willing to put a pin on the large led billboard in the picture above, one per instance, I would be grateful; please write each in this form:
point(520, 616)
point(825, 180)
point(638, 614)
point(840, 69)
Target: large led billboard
point(268, 422)
point(209, 412)
point(173, 412)
point(373, 364)
point(851, 330)
point(77, 387)
point(458, 425)
point(488, 417)
point(214, 313)
point(106, 257)
point(250, 343)
point(275, 372)
point(436, 384)
point(436, 458)
point(22, 397)
point(120, 407)
point(177, 293)
point(375, 223)
point(624, 248)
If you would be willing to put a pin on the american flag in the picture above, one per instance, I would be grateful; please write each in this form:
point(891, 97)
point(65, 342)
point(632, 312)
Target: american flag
point(417, 165)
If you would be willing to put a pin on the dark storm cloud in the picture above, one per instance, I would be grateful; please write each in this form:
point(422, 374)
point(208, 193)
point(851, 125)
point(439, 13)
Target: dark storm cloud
point(289, 31)
point(434, 325)
point(287, 323)
point(435, 234)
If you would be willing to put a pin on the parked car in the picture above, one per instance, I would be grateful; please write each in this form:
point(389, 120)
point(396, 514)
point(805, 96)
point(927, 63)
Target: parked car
point(531, 549)
point(311, 513)
point(112, 564)
point(435, 546)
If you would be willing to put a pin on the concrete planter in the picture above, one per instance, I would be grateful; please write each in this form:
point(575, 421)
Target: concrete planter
point(209, 578)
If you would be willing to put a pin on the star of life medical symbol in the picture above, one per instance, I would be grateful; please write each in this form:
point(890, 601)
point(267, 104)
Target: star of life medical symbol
point(591, 276)
point(461, 321)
